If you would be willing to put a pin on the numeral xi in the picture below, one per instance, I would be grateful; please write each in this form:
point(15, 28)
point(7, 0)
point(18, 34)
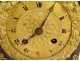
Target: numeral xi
point(25, 7)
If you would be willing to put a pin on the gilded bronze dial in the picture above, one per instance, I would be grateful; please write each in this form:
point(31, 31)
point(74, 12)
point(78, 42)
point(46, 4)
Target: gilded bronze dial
point(39, 30)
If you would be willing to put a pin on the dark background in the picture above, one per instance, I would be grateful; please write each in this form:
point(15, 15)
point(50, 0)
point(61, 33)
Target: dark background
point(79, 2)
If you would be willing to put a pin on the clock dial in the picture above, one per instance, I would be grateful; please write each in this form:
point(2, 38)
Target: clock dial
point(29, 38)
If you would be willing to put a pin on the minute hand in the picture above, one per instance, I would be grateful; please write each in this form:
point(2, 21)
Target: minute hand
point(50, 10)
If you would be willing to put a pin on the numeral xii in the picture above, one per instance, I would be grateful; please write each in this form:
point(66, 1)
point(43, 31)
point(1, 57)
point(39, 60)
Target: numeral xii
point(39, 4)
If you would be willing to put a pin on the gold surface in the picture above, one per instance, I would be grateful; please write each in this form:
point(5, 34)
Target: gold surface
point(75, 57)
point(2, 56)
point(40, 46)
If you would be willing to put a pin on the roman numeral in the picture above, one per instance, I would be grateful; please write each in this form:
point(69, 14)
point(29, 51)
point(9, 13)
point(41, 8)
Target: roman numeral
point(25, 7)
point(64, 31)
point(37, 54)
point(50, 50)
point(13, 30)
point(17, 41)
point(16, 18)
point(61, 18)
point(26, 50)
point(39, 4)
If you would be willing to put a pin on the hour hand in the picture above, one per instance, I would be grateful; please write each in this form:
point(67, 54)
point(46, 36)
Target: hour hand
point(38, 31)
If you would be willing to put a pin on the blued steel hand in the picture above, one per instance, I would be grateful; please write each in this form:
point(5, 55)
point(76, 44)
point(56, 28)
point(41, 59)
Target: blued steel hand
point(50, 10)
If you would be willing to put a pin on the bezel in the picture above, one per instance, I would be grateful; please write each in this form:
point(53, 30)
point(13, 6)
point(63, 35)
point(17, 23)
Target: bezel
point(73, 10)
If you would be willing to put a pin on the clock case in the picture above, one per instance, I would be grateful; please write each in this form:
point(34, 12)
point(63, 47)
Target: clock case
point(76, 47)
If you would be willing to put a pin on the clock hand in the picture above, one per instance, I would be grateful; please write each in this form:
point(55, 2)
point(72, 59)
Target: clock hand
point(50, 10)
point(31, 36)
point(39, 31)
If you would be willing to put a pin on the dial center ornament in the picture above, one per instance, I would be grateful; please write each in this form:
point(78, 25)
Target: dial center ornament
point(38, 31)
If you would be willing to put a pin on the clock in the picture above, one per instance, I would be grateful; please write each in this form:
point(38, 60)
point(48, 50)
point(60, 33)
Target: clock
point(39, 30)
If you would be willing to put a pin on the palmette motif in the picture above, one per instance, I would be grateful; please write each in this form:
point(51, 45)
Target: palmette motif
point(73, 10)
